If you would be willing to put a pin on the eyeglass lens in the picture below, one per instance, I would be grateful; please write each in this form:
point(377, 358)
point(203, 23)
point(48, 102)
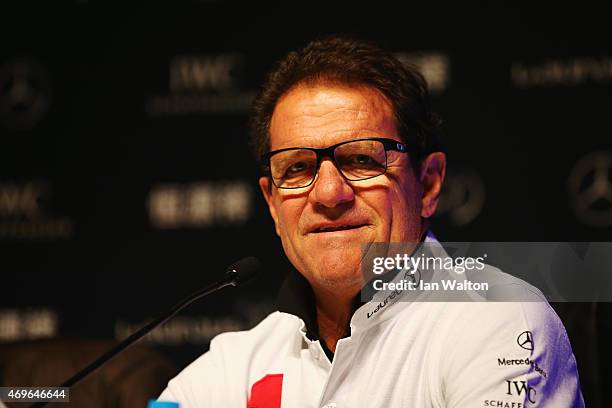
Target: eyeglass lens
point(358, 160)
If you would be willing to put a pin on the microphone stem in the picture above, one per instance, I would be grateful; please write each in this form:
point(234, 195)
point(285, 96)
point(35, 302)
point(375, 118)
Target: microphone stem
point(230, 280)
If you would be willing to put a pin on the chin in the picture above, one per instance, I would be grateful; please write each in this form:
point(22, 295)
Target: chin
point(338, 270)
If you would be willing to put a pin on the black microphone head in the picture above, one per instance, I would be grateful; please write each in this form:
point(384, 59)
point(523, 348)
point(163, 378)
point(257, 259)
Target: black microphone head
point(244, 269)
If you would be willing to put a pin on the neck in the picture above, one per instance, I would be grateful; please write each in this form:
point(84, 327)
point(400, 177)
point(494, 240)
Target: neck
point(335, 308)
point(334, 312)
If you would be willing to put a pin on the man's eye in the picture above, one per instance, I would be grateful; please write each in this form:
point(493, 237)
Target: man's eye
point(363, 160)
point(296, 168)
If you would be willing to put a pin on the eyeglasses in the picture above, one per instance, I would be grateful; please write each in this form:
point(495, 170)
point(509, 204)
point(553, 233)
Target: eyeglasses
point(361, 159)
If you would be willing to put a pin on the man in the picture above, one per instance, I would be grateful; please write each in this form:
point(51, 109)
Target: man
point(352, 158)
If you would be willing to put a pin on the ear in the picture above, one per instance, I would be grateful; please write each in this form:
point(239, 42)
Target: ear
point(266, 189)
point(433, 170)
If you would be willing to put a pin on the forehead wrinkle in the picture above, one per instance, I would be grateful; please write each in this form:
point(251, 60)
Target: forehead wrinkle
point(319, 117)
point(358, 117)
point(366, 107)
point(318, 97)
point(319, 135)
point(337, 109)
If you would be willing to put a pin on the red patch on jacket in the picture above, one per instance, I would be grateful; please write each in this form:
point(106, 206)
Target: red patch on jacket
point(266, 393)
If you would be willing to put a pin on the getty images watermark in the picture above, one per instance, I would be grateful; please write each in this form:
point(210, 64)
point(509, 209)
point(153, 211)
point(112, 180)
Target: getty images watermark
point(488, 271)
point(410, 264)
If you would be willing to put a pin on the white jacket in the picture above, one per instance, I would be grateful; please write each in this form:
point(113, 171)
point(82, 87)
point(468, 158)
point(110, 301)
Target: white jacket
point(399, 354)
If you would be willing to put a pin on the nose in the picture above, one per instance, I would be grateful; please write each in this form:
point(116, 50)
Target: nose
point(330, 188)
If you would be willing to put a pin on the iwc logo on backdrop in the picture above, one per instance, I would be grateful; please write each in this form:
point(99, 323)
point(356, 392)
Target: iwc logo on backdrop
point(462, 198)
point(24, 216)
point(590, 189)
point(203, 84)
point(24, 94)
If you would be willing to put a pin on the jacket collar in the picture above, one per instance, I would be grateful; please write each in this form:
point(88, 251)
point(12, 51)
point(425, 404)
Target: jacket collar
point(296, 297)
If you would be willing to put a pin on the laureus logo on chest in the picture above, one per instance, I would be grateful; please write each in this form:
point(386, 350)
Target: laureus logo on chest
point(384, 303)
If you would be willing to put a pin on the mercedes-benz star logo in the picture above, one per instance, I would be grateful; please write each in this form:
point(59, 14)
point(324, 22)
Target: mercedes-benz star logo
point(24, 93)
point(525, 340)
point(590, 188)
point(463, 197)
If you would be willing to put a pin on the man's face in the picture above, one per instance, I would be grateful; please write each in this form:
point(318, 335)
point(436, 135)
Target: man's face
point(322, 227)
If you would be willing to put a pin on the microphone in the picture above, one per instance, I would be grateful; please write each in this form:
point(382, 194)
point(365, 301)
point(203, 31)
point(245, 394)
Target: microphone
point(236, 274)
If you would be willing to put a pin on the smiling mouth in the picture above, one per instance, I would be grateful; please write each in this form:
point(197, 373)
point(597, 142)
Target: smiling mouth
point(338, 228)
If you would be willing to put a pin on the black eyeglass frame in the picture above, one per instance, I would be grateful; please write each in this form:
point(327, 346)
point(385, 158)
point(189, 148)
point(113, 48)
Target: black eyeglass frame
point(388, 144)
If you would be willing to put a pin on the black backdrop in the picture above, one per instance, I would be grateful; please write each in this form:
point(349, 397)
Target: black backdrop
point(126, 181)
